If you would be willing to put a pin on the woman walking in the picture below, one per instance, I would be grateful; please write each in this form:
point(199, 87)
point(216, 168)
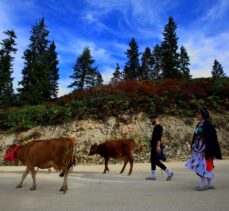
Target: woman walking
point(205, 147)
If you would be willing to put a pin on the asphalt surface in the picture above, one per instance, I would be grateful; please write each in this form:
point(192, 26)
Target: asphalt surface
point(90, 190)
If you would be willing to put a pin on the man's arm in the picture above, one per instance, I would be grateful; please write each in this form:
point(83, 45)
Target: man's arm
point(158, 147)
point(159, 135)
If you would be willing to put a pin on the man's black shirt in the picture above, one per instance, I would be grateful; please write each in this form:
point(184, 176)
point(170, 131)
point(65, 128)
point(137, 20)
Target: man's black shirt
point(156, 136)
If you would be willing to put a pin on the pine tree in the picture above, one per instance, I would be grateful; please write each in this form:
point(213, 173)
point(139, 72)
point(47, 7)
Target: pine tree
point(184, 63)
point(170, 57)
point(146, 67)
point(131, 69)
point(53, 70)
point(117, 75)
point(98, 79)
point(7, 96)
point(84, 73)
point(35, 84)
point(26, 83)
point(157, 63)
point(217, 70)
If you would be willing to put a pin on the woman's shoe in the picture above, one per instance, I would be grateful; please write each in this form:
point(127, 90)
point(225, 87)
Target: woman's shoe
point(211, 187)
point(201, 188)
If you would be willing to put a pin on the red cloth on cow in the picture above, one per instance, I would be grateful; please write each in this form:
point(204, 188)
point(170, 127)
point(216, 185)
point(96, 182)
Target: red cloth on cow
point(10, 155)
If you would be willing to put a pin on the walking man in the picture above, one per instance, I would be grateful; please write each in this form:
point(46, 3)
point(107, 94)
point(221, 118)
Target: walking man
point(156, 150)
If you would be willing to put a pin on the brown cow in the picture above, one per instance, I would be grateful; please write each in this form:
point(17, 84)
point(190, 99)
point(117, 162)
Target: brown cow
point(122, 148)
point(57, 153)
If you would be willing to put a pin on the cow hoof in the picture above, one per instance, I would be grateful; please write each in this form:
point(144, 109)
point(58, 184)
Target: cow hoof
point(33, 188)
point(64, 189)
point(19, 186)
point(61, 174)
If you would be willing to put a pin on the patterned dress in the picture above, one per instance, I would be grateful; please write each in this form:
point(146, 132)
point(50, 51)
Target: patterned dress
point(198, 162)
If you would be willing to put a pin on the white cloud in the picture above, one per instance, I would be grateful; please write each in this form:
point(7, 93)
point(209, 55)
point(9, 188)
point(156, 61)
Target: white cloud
point(148, 11)
point(107, 74)
point(203, 50)
point(217, 11)
point(151, 11)
point(63, 87)
point(76, 46)
point(90, 19)
point(200, 73)
point(5, 21)
point(63, 91)
point(139, 18)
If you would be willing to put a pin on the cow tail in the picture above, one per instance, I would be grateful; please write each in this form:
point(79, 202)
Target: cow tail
point(138, 149)
point(73, 160)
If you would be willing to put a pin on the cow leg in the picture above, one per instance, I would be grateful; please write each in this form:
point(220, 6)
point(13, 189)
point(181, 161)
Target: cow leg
point(23, 177)
point(131, 160)
point(71, 169)
point(33, 173)
point(37, 170)
point(124, 166)
point(64, 187)
point(106, 165)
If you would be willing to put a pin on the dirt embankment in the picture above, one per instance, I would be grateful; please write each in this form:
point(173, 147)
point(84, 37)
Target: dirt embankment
point(177, 135)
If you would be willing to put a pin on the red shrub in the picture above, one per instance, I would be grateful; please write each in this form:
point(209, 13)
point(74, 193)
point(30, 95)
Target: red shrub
point(170, 88)
point(190, 89)
point(147, 88)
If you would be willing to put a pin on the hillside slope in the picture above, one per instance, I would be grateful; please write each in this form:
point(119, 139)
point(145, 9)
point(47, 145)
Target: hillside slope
point(177, 134)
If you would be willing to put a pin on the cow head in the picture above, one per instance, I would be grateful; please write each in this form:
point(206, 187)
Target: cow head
point(93, 149)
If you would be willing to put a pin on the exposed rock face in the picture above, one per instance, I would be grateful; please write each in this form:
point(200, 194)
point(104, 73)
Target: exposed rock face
point(177, 135)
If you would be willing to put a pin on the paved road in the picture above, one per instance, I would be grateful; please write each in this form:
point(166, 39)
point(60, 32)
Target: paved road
point(91, 190)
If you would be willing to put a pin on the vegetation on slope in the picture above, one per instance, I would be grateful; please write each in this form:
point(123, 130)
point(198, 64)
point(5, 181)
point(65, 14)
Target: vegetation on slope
point(177, 97)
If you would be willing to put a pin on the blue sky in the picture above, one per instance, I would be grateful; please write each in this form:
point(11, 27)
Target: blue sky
point(107, 26)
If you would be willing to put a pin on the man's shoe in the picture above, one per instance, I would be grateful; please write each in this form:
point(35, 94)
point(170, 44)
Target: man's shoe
point(170, 176)
point(150, 178)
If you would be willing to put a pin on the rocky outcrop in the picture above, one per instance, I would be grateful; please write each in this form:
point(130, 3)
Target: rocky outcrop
point(177, 135)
